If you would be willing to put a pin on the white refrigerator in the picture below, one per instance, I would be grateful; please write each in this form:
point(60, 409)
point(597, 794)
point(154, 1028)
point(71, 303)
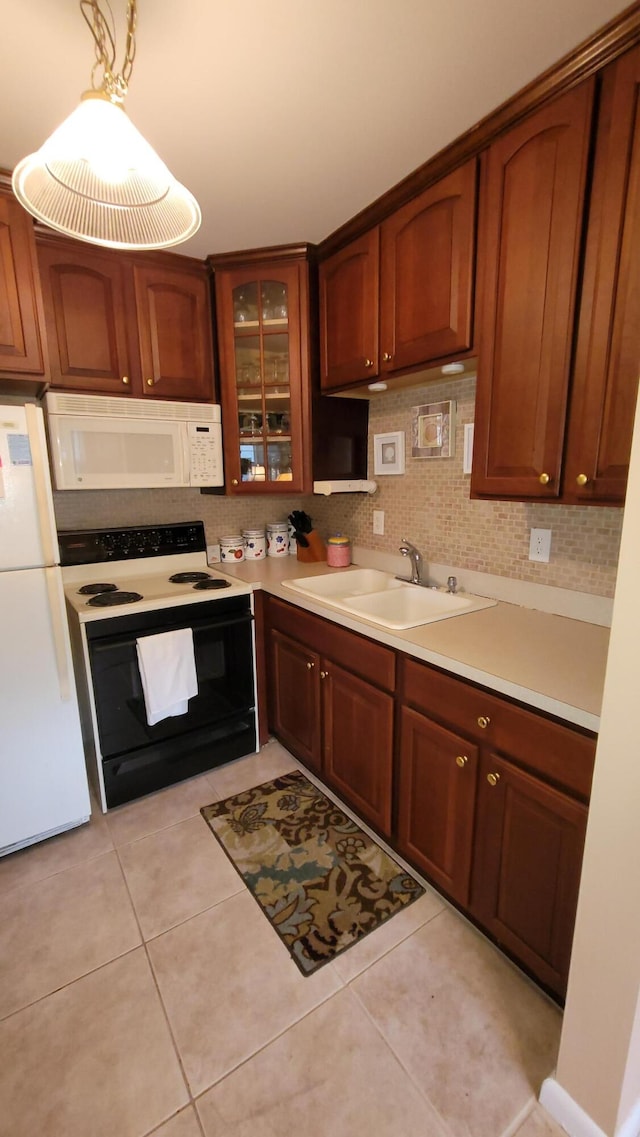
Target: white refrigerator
point(43, 780)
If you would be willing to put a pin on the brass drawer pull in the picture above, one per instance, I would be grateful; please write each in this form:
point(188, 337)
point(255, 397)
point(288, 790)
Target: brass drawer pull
point(324, 674)
point(386, 357)
point(461, 760)
point(150, 382)
point(309, 666)
point(493, 779)
point(544, 479)
point(125, 379)
point(582, 480)
point(483, 721)
point(368, 363)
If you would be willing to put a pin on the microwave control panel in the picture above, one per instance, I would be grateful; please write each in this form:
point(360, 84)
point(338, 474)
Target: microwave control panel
point(205, 454)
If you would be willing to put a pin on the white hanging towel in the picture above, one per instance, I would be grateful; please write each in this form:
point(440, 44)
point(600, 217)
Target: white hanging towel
point(168, 672)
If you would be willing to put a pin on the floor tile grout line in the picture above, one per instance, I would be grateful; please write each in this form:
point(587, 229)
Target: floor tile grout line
point(70, 982)
point(56, 872)
point(387, 951)
point(447, 1132)
point(159, 994)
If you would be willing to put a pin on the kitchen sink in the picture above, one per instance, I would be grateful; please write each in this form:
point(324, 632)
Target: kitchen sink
point(383, 599)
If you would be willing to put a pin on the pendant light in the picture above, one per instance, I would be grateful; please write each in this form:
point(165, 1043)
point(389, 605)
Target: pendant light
point(96, 178)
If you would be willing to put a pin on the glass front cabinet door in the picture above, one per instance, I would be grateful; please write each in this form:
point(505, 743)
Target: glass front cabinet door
point(263, 376)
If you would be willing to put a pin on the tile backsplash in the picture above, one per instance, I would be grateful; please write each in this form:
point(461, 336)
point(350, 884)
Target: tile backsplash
point(428, 505)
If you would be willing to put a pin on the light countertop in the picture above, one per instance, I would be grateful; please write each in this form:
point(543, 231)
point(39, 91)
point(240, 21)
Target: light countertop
point(550, 662)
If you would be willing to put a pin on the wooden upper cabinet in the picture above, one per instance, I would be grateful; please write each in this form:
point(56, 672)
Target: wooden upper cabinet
point(174, 330)
point(263, 338)
point(532, 205)
point(85, 305)
point(21, 349)
point(607, 362)
point(427, 274)
point(401, 296)
point(349, 290)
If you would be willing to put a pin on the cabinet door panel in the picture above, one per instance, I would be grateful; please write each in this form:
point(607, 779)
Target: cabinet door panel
point(349, 314)
point(608, 349)
point(264, 379)
point(86, 317)
point(358, 743)
point(20, 343)
point(426, 273)
point(436, 802)
point(531, 225)
point(294, 696)
point(174, 328)
point(527, 867)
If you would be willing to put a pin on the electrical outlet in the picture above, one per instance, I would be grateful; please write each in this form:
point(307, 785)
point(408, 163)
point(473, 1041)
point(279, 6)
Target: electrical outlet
point(540, 545)
point(378, 522)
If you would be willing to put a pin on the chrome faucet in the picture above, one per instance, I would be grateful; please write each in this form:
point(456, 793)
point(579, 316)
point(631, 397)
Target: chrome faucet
point(415, 558)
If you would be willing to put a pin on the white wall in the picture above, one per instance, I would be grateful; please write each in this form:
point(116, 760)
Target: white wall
point(599, 1061)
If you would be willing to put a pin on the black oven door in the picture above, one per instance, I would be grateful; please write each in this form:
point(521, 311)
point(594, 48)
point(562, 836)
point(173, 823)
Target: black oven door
point(220, 722)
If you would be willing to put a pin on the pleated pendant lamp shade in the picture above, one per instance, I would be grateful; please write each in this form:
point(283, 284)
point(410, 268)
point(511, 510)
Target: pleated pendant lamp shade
point(97, 179)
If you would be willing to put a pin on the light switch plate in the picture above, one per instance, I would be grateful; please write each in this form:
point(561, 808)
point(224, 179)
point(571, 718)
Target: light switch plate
point(378, 522)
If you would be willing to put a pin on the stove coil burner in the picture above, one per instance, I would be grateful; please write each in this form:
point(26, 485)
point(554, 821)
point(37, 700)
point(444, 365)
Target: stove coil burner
point(188, 577)
point(109, 599)
point(211, 583)
point(94, 589)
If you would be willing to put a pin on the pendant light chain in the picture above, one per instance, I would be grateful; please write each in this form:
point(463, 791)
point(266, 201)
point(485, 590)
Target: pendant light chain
point(115, 85)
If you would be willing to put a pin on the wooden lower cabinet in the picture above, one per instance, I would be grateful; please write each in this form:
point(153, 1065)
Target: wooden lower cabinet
point(358, 743)
point(329, 706)
point(436, 802)
point(490, 797)
point(528, 855)
point(295, 698)
point(492, 809)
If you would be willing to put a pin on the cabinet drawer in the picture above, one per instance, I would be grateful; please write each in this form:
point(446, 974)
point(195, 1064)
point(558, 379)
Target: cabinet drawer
point(555, 751)
point(355, 653)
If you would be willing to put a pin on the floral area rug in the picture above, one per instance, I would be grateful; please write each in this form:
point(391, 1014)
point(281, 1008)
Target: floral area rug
point(323, 883)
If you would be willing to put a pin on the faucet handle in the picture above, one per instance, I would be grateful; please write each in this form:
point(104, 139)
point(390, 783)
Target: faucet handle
point(452, 584)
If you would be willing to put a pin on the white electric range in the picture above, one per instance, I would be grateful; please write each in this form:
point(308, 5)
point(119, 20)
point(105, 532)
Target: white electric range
point(124, 584)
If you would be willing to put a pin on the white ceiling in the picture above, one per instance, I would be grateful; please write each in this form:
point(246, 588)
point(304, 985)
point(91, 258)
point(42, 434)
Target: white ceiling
point(286, 117)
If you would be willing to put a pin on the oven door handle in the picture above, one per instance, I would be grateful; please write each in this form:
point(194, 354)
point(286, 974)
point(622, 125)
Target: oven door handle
point(129, 638)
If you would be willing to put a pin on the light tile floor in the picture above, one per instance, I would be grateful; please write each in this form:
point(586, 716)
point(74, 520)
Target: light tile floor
point(143, 992)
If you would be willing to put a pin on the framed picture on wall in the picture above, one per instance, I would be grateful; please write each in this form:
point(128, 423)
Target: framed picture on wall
point(433, 430)
point(388, 453)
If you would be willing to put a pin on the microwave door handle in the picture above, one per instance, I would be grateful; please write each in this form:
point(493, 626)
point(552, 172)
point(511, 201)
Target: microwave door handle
point(59, 630)
point(42, 485)
point(186, 455)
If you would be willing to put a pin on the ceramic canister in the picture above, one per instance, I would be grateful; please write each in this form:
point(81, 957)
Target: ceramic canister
point(255, 544)
point(338, 551)
point(278, 539)
point(232, 548)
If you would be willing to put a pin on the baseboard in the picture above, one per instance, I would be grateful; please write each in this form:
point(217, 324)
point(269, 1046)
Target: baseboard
point(574, 1120)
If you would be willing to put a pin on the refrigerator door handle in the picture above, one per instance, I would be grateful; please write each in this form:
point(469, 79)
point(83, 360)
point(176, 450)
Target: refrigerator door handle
point(42, 485)
point(59, 630)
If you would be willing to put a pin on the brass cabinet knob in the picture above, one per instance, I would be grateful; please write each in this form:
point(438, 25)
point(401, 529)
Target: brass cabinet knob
point(368, 363)
point(324, 674)
point(493, 779)
point(582, 480)
point(544, 479)
point(234, 481)
point(309, 666)
point(387, 357)
point(461, 760)
point(149, 382)
point(483, 721)
point(125, 379)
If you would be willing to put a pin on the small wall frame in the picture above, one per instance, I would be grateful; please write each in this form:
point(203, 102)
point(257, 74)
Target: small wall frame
point(433, 430)
point(388, 453)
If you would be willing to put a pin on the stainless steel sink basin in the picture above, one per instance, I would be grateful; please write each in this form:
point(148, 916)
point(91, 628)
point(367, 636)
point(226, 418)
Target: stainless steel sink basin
point(383, 599)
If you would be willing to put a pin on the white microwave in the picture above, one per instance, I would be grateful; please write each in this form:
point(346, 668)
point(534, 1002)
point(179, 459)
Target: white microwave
point(103, 443)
